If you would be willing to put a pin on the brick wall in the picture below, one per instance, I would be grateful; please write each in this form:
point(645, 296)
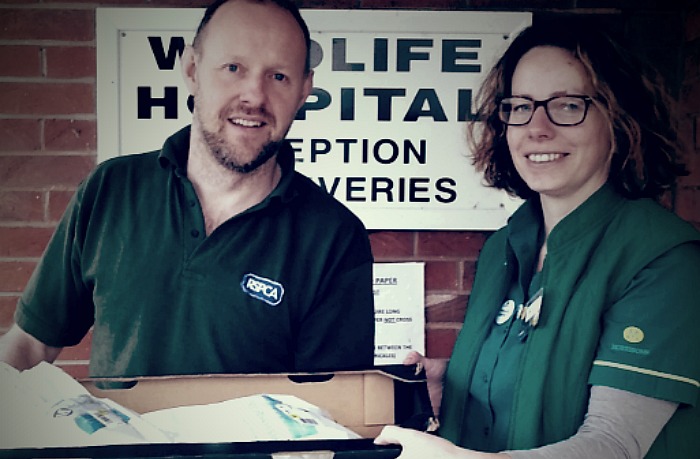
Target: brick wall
point(48, 133)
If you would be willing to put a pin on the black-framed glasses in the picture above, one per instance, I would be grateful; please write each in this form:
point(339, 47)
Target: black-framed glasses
point(568, 110)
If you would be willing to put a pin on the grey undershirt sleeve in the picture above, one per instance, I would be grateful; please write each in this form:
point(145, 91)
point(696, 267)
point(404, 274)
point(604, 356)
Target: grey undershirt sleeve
point(619, 425)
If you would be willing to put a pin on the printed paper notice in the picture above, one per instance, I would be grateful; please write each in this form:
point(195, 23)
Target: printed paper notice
point(398, 311)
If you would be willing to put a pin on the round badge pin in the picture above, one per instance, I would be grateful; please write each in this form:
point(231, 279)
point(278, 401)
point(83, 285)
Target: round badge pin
point(633, 335)
point(506, 312)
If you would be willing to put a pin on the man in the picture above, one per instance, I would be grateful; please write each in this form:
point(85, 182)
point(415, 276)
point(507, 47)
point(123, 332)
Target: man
point(211, 255)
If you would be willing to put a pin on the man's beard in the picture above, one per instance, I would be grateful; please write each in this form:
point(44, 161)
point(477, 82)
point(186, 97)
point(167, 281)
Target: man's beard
point(225, 155)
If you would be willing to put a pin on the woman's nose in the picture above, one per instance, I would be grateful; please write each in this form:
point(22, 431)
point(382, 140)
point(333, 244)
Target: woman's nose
point(540, 125)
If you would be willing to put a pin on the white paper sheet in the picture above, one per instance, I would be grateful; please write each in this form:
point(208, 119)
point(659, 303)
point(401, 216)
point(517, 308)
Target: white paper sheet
point(399, 315)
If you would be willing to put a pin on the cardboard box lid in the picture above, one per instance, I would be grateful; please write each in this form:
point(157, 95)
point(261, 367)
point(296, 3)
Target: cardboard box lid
point(360, 400)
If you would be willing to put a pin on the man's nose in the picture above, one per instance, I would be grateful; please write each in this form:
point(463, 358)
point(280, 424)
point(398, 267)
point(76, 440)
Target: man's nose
point(253, 90)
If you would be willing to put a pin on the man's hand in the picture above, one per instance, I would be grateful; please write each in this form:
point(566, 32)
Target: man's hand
point(21, 350)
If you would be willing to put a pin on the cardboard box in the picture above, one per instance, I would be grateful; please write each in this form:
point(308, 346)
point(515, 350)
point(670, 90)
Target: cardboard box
point(363, 401)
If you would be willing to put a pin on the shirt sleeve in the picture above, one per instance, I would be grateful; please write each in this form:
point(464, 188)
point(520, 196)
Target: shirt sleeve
point(56, 306)
point(650, 341)
point(618, 425)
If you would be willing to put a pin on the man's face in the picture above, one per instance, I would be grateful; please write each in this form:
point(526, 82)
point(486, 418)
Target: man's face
point(247, 78)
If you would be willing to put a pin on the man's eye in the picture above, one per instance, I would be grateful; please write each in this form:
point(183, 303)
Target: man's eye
point(279, 76)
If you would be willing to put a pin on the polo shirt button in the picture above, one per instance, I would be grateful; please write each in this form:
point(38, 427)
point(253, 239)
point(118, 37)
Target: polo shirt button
point(487, 431)
point(194, 233)
point(193, 203)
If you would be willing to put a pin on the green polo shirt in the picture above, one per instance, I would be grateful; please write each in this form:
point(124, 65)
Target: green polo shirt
point(284, 286)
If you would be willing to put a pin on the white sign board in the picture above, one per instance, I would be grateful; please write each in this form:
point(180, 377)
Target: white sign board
point(383, 130)
point(399, 311)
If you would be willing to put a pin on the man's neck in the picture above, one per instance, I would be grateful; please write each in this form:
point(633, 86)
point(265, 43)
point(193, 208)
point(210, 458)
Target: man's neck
point(224, 193)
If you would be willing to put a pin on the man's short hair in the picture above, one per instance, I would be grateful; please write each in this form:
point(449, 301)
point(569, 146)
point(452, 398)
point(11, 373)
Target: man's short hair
point(287, 5)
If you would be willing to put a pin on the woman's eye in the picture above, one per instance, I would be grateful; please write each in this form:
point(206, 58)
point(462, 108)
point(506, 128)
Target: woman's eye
point(571, 107)
point(232, 68)
point(522, 108)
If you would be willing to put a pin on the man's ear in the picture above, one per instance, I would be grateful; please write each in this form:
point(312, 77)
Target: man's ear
point(308, 87)
point(188, 67)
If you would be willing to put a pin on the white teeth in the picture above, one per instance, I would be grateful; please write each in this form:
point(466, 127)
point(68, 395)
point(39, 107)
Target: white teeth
point(246, 123)
point(544, 157)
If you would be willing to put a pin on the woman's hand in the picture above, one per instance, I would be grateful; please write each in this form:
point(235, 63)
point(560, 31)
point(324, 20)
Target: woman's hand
point(419, 445)
point(434, 372)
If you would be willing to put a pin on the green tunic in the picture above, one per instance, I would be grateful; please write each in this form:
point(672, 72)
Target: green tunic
point(284, 286)
point(590, 324)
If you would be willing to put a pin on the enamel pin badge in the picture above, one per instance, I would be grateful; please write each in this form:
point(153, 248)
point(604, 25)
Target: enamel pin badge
point(529, 315)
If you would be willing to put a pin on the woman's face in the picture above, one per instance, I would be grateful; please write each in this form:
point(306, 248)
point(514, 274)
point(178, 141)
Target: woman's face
point(561, 162)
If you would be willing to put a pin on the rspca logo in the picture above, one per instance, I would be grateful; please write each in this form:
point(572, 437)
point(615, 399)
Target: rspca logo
point(267, 290)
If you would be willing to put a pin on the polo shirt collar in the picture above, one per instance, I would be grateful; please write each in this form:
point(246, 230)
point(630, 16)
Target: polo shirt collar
point(176, 149)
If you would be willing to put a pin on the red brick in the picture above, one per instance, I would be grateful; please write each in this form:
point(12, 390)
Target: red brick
point(21, 206)
point(7, 312)
point(439, 342)
point(77, 370)
point(468, 272)
point(144, 3)
point(454, 244)
point(70, 62)
point(690, 97)
point(686, 134)
point(14, 275)
point(445, 308)
point(688, 204)
point(47, 24)
point(442, 275)
point(692, 162)
point(412, 4)
point(521, 4)
point(23, 241)
point(58, 201)
point(692, 62)
point(44, 171)
point(65, 135)
point(391, 245)
point(80, 351)
point(328, 4)
point(47, 98)
point(692, 25)
point(20, 135)
point(20, 61)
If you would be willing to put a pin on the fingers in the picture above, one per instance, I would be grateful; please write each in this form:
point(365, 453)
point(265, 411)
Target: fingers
point(390, 435)
point(413, 357)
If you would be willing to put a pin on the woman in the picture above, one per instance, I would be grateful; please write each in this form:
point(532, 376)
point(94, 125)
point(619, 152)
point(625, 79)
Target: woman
point(579, 339)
